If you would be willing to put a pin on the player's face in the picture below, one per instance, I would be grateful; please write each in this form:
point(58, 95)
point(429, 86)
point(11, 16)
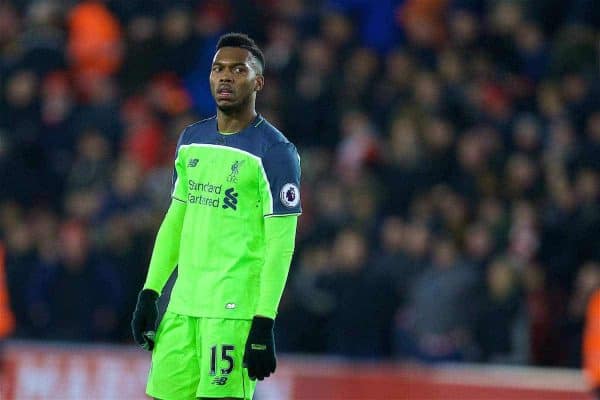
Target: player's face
point(233, 80)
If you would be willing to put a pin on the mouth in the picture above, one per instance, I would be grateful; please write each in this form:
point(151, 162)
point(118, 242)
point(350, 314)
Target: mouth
point(224, 92)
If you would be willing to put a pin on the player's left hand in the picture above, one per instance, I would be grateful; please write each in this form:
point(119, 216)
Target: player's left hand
point(259, 354)
point(145, 315)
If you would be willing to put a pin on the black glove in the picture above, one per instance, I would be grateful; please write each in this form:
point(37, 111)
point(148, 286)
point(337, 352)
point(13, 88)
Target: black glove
point(259, 355)
point(144, 319)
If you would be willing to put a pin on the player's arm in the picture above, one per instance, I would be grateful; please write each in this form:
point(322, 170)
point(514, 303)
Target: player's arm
point(259, 355)
point(163, 261)
point(166, 248)
point(281, 202)
point(280, 236)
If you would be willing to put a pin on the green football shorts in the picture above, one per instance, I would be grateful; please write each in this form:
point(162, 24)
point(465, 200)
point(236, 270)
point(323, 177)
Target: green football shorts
point(199, 357)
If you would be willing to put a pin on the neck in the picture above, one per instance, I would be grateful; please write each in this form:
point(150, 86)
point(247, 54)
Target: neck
point(235, 121)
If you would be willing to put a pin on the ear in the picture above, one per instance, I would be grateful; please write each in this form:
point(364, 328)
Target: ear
point(259, 83)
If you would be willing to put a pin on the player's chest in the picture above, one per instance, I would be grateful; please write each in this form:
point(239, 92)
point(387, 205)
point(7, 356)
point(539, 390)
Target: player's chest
point(214, 168)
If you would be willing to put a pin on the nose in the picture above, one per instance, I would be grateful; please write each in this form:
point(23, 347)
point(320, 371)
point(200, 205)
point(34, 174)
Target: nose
point(225, 76)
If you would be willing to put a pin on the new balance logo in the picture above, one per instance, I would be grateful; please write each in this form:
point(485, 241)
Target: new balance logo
point(230, 200)
point(192, 163)
point(219, 380)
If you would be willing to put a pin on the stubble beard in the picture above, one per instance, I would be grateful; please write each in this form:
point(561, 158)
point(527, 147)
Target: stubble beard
point(235, 108)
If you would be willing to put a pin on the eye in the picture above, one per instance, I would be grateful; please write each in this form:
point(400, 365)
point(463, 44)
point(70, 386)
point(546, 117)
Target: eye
point(216, 68)
point(239, 69)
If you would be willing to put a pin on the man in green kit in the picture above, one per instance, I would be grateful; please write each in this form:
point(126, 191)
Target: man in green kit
point(230, 229)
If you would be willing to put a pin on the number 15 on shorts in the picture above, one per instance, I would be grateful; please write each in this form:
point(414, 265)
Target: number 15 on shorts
point(222, 360)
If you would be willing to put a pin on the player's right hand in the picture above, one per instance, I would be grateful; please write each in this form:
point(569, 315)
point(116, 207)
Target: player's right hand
point(145, 315)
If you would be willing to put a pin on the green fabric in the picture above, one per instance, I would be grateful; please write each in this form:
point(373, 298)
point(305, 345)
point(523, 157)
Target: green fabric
point(223, 247)
point(280, 234)
point(183, 366)
point(166, 247)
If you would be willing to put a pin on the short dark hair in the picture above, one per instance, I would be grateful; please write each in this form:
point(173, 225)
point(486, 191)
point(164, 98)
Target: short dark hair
point(235, 39)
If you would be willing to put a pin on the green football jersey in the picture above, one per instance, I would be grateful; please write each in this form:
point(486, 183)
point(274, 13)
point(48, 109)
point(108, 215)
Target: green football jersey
point(230, 183)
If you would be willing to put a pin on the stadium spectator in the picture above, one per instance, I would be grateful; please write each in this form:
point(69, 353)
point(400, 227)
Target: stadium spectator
point(66, 299)
point(20, 260)
point(591, 337)
point(436, 324)
point(587, 281)
point(306, 306)
point(353, 324)
point(7, 319)
point(94, 39)
point(501, 326)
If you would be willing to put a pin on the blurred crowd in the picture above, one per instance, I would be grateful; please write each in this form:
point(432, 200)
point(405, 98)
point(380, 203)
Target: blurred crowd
point(450, 153)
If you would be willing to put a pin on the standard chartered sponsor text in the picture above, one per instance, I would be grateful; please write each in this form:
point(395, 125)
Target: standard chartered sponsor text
point(203, 193)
